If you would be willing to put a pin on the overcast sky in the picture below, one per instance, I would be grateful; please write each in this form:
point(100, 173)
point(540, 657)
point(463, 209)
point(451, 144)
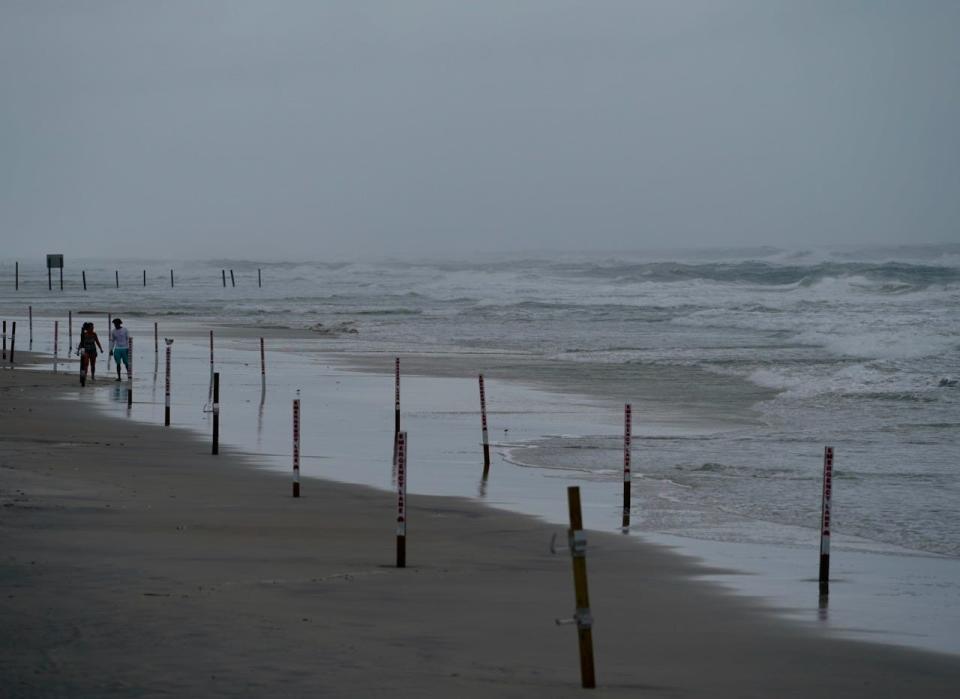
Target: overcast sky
point(276, 129)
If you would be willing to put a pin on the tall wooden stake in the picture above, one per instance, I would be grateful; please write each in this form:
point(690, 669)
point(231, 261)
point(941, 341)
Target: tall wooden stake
point(56, 339)
point(116, 277)
point(582, 617)
point(233, 282)
point(4, 339)
point(216, 413)
point(69, 331)
point(30, 318)
point(259, 278)
point(626, 466)
point(171, 278)
point(825, 521)
point(84, 275)
point(16, 276)
point(483, 423)
point(13, 340)
point(402, 500)
point(223, 273)
point(296, 447)
point(144, 278)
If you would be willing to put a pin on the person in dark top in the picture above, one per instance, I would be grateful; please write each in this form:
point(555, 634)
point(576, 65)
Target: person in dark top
point(87, 349)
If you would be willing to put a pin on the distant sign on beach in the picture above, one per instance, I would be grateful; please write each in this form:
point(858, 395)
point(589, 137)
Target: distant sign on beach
point(54, 261)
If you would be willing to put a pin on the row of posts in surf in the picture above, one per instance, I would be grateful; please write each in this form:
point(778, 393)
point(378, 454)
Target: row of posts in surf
point(142, 278)
point(576, 540)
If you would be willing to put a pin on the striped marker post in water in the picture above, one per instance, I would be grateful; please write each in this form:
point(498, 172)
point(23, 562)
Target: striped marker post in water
point(825, 521)
point(483, 423)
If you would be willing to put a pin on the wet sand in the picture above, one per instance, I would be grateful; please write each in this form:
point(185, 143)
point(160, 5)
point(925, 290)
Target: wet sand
point(137, 564)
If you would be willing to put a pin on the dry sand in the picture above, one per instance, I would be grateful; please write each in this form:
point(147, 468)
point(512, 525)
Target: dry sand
point(136, 564)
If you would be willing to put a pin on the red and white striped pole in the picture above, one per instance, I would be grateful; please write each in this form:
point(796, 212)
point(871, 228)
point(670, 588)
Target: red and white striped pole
point(166, 398)
point(296, 447)
point(825, 521)
point(56, 339)
point(483, 422)
point(627, 428)
point(396, 407)
point(402, 500)
point(263, 365)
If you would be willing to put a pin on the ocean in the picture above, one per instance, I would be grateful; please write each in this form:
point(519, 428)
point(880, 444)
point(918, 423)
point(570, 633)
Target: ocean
point(740, 365)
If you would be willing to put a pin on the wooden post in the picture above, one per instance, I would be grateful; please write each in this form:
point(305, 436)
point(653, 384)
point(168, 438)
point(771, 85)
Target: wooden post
point(16, 276)
point(84, 274)
point(233, 282)
point(61, 277)
point(210, 390)
point(171, 278)
point(396, 407)
point(223, 273)
point(582, 617)
point(156, 344)
point(296, 447)
point(30, 317)
point(4, 339)
point(825, 521)
point(116, 277)
point(129, 372)
point(626, 466)
point(109, 341)
point(56, 338)
point(49, 280)
point(483, 422)
point(69, 332)
point(144, 278)
point(216, 413)
point(13, 340)
point(166, 398)
point(259, 278)
point(402, 500)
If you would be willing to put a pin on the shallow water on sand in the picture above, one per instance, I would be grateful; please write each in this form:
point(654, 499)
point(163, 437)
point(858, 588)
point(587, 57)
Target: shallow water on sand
point(880, 591)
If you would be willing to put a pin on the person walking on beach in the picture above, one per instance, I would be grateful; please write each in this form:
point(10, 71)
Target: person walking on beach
point(87, 349)
point(120, 346)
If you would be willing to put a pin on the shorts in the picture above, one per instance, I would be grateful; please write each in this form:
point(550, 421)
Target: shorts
point(121, 355)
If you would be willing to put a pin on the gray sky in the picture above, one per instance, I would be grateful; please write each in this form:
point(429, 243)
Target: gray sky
point(289, 128)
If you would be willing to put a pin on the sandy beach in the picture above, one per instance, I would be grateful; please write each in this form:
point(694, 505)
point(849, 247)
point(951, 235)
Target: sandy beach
point(137, 564)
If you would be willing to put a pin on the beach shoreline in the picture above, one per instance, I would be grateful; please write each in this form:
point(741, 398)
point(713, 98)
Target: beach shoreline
point(139, 564)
